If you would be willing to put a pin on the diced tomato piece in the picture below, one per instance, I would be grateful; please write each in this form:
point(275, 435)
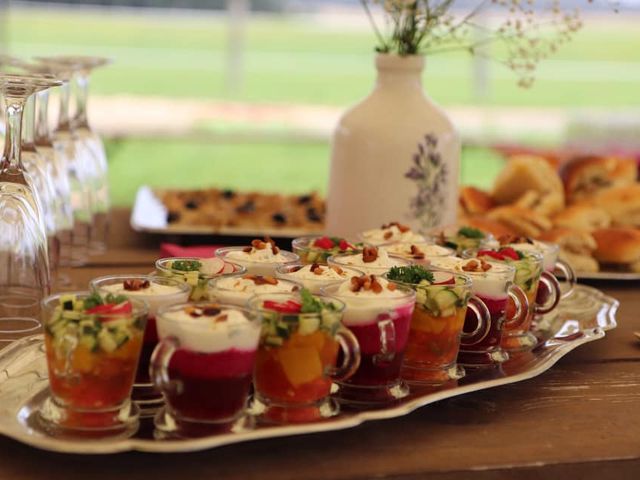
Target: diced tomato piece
point(323, 242)
point(283, 307)
point(509, 253)
point(490, 253)
point(344, 245)
point(111, 309)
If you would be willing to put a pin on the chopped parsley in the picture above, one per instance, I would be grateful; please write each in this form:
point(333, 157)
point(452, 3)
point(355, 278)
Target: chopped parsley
point(186, 265)
point(470, 232)
point(95, 299)
point(311, 304)
point(412, 274)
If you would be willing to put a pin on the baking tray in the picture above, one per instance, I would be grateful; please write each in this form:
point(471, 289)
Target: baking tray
point(150, 215)
point(582, 318)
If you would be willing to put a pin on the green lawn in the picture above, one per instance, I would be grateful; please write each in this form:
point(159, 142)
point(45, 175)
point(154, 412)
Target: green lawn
point(288, 60)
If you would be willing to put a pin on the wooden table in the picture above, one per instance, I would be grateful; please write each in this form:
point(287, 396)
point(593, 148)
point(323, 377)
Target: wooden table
point(580, 420)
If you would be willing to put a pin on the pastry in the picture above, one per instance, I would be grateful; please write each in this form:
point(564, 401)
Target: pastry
point(586, 176)
point(582, 217)
point(576, 247)
point(474, 201)
point(522, 221)
point(622, 203)
point(618, 246)
point(524, 173)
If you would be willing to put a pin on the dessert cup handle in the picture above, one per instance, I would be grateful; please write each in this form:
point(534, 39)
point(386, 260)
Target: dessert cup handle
point(483, 317)
point(159, 366)
point(569, 275)
point(350, 355)
point(521, 302)
point(554, 287)
point(387, 340)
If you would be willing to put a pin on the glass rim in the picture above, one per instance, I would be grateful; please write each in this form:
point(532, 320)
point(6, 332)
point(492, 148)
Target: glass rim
point(163, 310)
point(212, 283)
point(140, 306)
point(302, 243)
point(341, 306)
point(408, 293)
point(449, 251)
point(529, 255)
point(404, 262)
point(225, 250)
point(159, 265)
point(184, 287)
point(282, 270)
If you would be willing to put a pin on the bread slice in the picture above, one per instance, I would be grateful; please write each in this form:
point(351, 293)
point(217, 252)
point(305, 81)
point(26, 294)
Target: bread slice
point(617, 245)
point(586, 176)
point(522, 221)
point(622, 203)
point(582, 217)
point(474, 201)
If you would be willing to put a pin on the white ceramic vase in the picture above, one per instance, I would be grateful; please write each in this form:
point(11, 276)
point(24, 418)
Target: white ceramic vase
point(395, 156)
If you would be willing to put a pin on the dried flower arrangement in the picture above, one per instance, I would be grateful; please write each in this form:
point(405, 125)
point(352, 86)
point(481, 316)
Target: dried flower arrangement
point(524, 31)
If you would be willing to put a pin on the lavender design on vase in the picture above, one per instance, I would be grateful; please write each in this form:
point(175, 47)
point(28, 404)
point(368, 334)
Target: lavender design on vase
point(429, 173)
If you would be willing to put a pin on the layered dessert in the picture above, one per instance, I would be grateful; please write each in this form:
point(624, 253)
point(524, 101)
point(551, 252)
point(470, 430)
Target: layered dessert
point(213, 360)
point(196, 272)
point(314, 277)
point(378, 313)
point(436, 324)
point(491, 283)
point(419, 252)
point(92, 347)
point(318, 249)
point(237, 289)
point(297, 352)
point(157, 292)
point(262, 257)
point(391, 233)
point(371, 260)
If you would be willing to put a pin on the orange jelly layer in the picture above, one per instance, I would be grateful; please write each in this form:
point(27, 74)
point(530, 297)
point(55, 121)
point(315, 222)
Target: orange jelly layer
point(95, 380)
point(434, 341)
point(295, 372)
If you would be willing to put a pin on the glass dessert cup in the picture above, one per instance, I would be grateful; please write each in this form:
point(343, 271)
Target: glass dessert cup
point(203, 366)
point(421, 253)
point(373, 268)
point(316, 249)
point(264, 267)
point(528, 275)
point(382, 329)
point(436, 332)
point(393, 232)
point(297, 359)
point(92, 356)
point(237, 289)
point(312, 282)
point(160, 291)
point(195, 278)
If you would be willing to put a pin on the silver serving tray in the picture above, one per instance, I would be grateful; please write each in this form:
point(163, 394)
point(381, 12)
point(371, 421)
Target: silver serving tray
point(582, 318)
point(609, 275)
point(150, 215)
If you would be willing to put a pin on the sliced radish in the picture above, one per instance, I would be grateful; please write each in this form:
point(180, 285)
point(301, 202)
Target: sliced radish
point(211, 266)
point(228, 268)
point(443, 278)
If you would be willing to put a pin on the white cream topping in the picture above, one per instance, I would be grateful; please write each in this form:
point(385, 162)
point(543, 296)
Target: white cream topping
point(237, 290)
point(378, 236)
point(206, 335)
point(382, 261)
point(326, 273)
point(491, 284)
point(549, 254)
point(265, 255)
point(428, 249)
point(156, 294)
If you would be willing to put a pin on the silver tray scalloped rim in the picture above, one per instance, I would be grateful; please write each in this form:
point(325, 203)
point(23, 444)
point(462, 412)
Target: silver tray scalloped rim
point(582, 318)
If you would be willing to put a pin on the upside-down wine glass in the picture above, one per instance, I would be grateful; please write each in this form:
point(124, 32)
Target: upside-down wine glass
point(24, 264)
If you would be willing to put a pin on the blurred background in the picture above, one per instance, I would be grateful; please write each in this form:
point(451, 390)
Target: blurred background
point(245, 94)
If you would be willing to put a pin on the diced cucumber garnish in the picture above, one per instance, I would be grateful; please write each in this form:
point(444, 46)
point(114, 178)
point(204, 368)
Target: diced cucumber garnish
point(446, 299)
point(106, 341)
point(312, 256)
point(89, 342)
point(273, 341)
point(308, 325)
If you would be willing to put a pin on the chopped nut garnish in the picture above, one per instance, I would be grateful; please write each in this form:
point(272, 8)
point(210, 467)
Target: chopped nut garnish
point(388, 235)
point(221, 318)
point(194, 312)
point(247, 249)
point(369, 254)
point(366, 282)
point(261, 280)
point(211, 311)
point(296, 268)
point(399, 226)
point(337, 269)
point(135, 284)
point(262, 244)
point(476, 265)
point(417, 253)
point(317, 269)
point(258, 244)
point(391, 286)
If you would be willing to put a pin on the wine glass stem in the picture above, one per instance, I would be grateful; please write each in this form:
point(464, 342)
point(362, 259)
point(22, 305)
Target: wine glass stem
point(63, 117)
point(43, 134)
point(28, 124)
point(82, 83)
point(11, 156)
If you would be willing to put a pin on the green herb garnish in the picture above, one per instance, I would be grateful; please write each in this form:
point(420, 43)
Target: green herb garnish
point(412, 274)
point(93, 300)
point(112, 299)
point(311, 304)
point(470, 232)
point(186, 265)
